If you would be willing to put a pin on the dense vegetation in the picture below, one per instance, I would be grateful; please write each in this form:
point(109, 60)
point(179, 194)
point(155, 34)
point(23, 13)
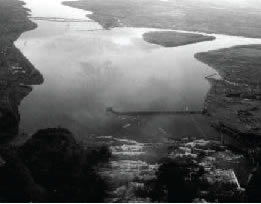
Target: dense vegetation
point(52, 167)
point(236, 64)
point(238, 95)
point(13, 22)
point(172, 183)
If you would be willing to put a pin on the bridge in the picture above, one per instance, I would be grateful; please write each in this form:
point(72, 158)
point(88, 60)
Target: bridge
point(152, 113)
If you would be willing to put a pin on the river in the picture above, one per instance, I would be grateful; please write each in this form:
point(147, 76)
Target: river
point(87, 69)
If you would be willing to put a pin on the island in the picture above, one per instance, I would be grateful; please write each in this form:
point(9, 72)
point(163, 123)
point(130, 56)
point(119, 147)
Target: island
point(174, 39)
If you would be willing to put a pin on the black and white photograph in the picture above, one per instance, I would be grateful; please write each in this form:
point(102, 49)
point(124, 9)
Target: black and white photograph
point(130, 101)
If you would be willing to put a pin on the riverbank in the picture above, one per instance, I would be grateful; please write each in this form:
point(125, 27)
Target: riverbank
point(17, 74)
point(234, 102)
point(202, 16)
point(174, 39)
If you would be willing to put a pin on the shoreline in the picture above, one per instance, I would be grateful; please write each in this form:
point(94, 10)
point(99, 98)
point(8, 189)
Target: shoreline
point(131, 15)
point(17, 73)
point(237, 94)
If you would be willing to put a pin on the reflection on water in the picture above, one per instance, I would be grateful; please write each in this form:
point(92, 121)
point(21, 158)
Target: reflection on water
point(87, 69)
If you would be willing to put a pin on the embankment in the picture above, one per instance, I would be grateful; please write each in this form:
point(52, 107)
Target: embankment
point(17, 74)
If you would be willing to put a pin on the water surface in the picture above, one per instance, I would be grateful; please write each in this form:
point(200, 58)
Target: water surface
point(87, 69)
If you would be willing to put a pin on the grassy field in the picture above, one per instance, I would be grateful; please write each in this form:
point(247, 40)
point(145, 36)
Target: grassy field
point(200, 15)
point(174, 39)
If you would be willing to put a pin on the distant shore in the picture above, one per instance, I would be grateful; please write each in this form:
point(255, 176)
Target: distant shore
point(177, 15)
